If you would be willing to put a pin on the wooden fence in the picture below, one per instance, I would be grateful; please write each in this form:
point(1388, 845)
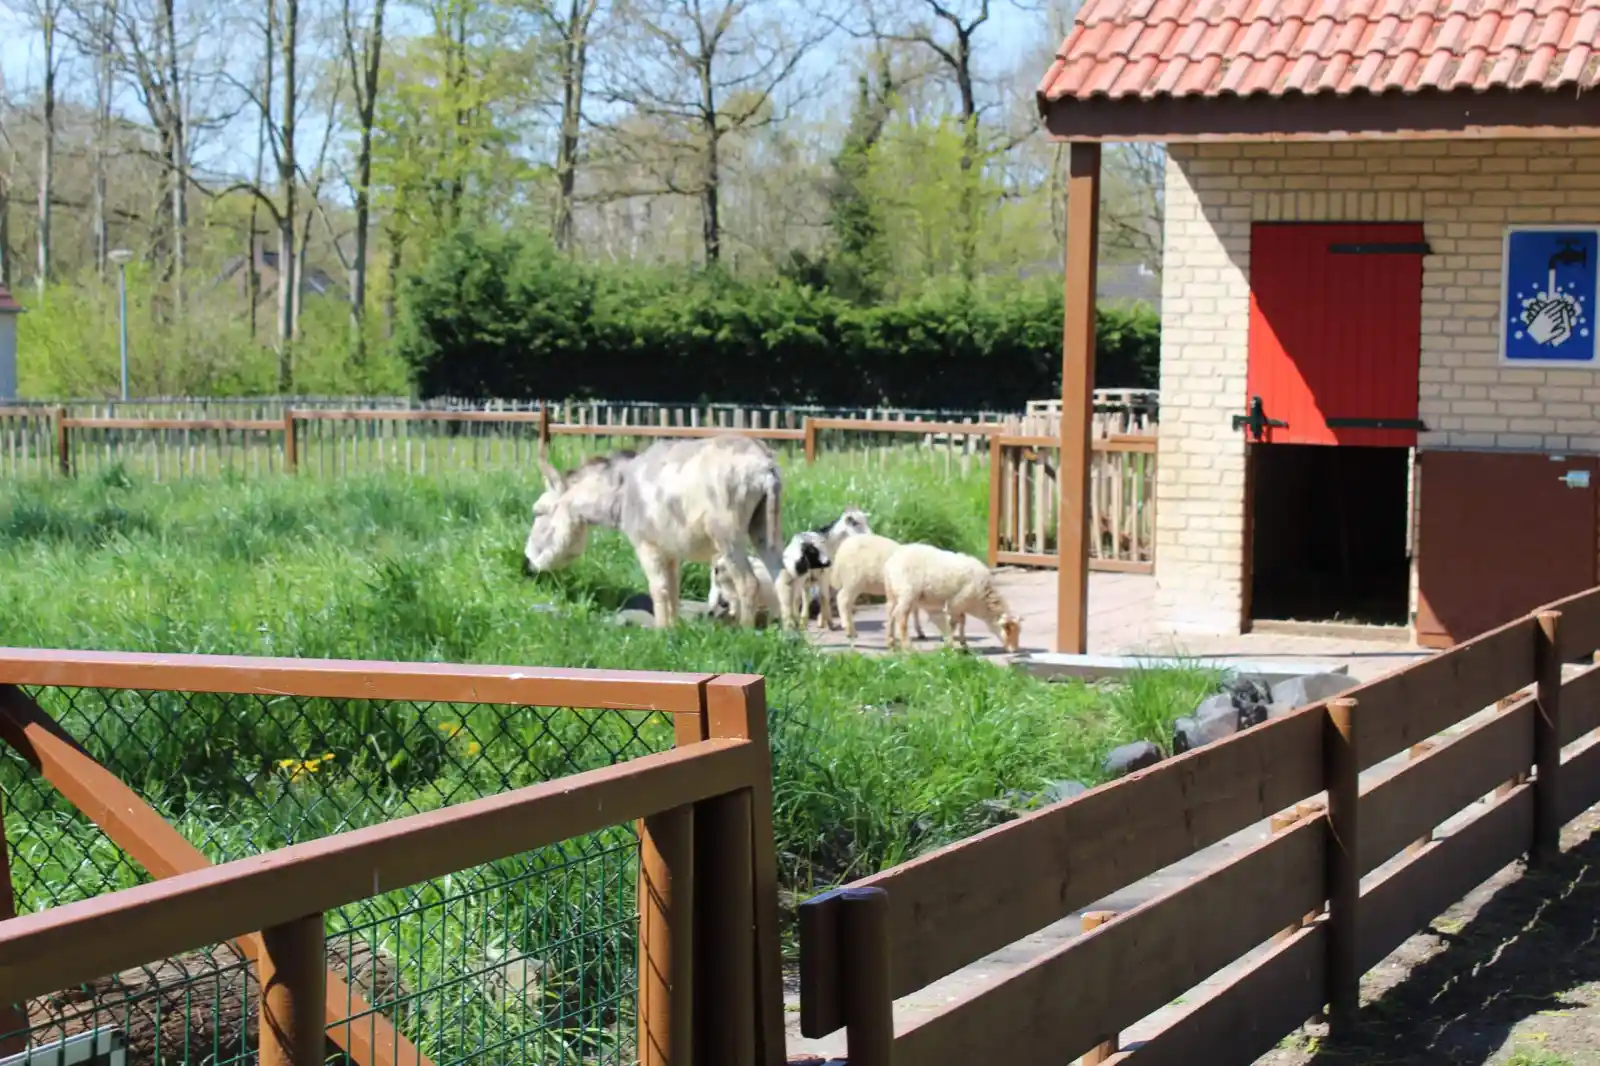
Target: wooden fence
point(708, 967)
point(901, 930)
point(1025, 502)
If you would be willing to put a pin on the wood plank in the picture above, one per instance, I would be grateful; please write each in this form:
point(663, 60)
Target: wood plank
point(1067, 1001)
point(134, 826)
point(1408, 805)
point(1113, 566)
point(957, 904)
point(406, 415)
point(275, 426)
point(613, 430)
point(1403, 903)
point(895, 425)
point(1580, 702)
point(1580, 782)
point(55, 949)
point(1580, 623)
point(1250, 1015)
point(635, 690)
point(1424, 698)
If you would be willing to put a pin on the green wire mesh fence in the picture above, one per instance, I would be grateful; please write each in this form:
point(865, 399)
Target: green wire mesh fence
point(529, 958)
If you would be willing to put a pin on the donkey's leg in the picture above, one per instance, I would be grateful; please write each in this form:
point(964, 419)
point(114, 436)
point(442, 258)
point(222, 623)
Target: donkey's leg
point(674, 578)
point(657, 574)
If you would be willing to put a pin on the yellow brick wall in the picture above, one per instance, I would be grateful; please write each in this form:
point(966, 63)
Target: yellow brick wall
point(1465, 193)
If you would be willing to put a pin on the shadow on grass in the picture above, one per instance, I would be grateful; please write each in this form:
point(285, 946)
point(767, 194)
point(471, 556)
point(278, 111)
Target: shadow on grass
point(1529, 950)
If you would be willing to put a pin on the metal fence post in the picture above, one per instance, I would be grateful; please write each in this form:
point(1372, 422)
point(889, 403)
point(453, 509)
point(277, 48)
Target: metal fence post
point(293, 975)
point(867, 995)
point(1341, 765)
point(1547, 738)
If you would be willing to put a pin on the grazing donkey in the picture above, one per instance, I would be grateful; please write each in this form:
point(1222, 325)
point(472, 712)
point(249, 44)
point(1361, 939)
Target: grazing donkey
point(706, 500)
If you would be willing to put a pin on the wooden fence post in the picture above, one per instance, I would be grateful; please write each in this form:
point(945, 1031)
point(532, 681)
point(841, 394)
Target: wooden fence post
point(736, 833)
point(293, 974)
point(63, 447)
point(1341, 768)
point(291, 447)
point(868, 999)
point(995, 486)
point(1103, 1051)
point(666, 938)
point(811, 439)
point(13, 1017)
point(1418, 750)
point(1547, 738)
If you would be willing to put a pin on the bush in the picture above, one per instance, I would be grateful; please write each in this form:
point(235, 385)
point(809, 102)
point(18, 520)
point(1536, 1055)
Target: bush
point(497, 315)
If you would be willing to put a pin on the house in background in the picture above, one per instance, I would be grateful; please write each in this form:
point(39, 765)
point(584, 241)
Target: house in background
point(313, 281)
point(1379, 372)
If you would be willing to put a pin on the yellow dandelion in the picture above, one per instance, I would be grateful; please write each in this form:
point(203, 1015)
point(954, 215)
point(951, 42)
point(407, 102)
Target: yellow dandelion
point(473, 747)
point(284, 764)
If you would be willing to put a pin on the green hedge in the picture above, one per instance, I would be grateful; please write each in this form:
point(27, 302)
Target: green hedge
point(498, 315)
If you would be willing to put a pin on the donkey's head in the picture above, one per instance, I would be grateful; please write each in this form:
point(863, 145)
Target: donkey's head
point(570, 504)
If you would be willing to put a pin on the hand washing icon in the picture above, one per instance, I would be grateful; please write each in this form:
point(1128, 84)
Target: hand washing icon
point(1554, 316)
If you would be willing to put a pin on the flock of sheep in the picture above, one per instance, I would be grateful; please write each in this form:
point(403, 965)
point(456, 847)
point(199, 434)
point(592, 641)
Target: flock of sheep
point(719, 500)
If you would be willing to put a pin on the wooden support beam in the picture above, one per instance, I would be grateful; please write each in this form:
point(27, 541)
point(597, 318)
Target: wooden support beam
point(1077, 397)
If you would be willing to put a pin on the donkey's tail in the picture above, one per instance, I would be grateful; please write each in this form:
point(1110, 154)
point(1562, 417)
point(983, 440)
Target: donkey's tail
point(766, 524)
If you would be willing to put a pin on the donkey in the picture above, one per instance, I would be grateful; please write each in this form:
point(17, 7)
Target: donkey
point(705, 500)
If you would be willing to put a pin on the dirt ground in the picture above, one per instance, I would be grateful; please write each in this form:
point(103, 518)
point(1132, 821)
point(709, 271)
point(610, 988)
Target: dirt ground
point(1510, 976)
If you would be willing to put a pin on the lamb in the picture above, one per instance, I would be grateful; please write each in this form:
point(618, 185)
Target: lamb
point(857, 570)
point(951, 586)
point(806, 554)
point(811, 586)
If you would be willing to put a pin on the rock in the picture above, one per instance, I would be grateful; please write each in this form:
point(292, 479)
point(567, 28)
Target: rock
point(639, 601)
point(635, 618)
point(1131, 757)
point(1200, 729)
point(1296, 692)
point(1058, 791)
point(1250, 698)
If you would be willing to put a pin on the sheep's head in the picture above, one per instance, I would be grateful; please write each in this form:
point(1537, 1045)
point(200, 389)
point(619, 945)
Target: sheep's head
point(852, 523)
point(1010, 633)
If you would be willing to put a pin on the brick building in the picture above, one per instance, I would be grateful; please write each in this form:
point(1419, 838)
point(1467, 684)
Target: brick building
point(1381, 222)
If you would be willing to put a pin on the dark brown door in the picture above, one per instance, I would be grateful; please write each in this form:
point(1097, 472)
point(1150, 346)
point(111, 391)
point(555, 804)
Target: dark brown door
point(1499, 534)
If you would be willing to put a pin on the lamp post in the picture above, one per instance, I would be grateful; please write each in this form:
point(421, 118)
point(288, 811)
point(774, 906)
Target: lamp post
point(122, 257)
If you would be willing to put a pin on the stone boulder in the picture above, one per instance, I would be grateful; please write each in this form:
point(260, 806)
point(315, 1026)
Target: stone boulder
point(1130, 758)
point(1297, 692)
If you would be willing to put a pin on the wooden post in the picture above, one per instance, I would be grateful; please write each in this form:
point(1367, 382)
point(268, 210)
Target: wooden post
point(1418, 750)
point(293, 974)
point(1102, 1051)
point(736, 707)
point(1342, 776)
point(666, 938)
point(544, 424)
point(63, 449)
point(1547, 738)
point(868, 1005)
point(996, 458)
point(291, 447)
point(811, 439)
point(13, 1016)
point(1077, 397)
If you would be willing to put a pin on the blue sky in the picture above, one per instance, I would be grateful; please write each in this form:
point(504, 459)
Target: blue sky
point(1010, 38)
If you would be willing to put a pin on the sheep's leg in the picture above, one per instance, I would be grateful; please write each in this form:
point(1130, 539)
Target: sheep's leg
point(825, 591)
point(785, 586)
point(895, 612)
point(847, 610)
point(747, 588)
point(916, 618)
point(656, 573)
point(941, 618)
point(958, 621)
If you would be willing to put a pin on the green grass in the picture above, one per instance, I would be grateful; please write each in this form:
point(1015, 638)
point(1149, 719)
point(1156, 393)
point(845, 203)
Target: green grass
point(875, 759)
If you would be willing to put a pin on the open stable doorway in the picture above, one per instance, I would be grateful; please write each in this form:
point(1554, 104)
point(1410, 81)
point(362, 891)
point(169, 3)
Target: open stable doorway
point(1330, 415)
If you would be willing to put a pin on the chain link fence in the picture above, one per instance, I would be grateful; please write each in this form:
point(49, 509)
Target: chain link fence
point(529, 958)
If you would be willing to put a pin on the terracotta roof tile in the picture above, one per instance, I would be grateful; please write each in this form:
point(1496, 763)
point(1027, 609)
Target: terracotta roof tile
point(1207, 48)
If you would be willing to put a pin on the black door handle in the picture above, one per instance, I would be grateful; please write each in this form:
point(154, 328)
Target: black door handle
point(1257, 420)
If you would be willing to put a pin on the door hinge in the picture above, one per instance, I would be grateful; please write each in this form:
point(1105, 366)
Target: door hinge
point(1376, 423)
point(1382, 248)
point(1257, 420)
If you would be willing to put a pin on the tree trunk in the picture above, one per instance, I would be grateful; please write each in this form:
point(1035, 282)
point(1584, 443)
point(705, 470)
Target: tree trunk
point(366, 81)
point(575, 56)
point(102, 124)
point(47, 151)
point(288, 283)
point(390, 306)
point(970, 151)
point(179, 161)
point(5, 230)
point(710, 217)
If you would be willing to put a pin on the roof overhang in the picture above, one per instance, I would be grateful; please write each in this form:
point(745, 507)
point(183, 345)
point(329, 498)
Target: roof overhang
point(1427, 114)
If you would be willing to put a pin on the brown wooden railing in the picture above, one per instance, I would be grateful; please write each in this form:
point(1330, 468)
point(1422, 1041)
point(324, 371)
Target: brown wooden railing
point(708, 964)
point(1510, 711)
point(1025, 501)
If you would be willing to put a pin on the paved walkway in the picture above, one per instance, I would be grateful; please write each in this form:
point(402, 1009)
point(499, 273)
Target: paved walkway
point(1122, 622)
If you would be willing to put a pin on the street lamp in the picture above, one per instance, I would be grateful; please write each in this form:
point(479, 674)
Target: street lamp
point(122, 257)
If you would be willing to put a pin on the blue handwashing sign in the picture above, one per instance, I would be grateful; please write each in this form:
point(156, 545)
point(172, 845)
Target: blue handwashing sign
point(1550, 295)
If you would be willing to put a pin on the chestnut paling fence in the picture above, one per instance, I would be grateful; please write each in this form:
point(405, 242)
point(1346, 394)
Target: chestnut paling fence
point(424, 864)
point(420, 864)
point(1503, 754)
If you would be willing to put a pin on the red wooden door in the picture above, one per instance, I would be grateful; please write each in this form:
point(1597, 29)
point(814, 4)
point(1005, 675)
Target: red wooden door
point(1336, 331)
point(1499, 534)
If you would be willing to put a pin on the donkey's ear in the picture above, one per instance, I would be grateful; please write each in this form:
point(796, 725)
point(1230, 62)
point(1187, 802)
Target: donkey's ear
point(552, 477)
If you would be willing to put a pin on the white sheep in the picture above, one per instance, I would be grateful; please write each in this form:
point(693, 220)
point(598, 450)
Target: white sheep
point(810, 585)
point(857, 571)
point(723, 595)
point(950, 586)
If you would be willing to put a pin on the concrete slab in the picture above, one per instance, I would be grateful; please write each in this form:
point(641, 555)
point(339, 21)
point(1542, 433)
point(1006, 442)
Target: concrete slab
point(1054, 665)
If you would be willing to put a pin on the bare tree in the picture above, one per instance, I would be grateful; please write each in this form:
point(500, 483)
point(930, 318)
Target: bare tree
point(8, 158)
point(700, 73)
point(148, 33)
point(92, 28)
point(363, 49)
point(572, 29)
point(46, 17)
point(288, 28)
